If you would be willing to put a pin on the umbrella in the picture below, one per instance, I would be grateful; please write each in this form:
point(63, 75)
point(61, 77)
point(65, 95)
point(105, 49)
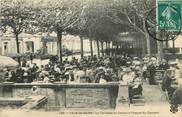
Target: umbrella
point(7, 62)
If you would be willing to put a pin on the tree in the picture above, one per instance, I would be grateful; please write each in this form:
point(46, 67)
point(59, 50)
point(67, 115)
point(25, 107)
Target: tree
point(134, 12)
point(58, 16)
point(15, 14)
point(142, 8)
point(96, 22)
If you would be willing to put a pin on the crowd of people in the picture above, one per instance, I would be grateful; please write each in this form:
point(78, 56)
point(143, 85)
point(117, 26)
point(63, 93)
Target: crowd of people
point(124, 69)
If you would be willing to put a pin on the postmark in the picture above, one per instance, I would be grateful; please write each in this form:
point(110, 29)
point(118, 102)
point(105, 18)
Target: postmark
point(163, 23)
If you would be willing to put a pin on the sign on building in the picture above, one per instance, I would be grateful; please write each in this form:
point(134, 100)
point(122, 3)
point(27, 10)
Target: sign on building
point(168, 15)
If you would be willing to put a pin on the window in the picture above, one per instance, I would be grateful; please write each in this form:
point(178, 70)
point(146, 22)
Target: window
point(30, 46)
point(5, 47)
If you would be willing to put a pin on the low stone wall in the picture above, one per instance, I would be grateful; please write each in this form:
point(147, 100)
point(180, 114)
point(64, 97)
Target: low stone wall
point(91, 95)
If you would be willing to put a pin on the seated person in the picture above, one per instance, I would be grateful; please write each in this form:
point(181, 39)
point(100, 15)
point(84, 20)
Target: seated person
point(128, 76)
point(164, 65)
point(135, 87)
point(7, 75)
point(70, 76)
point(166, 84)
point(79, 74)
point(90, 75)
point(46, 78)
point(100, 77)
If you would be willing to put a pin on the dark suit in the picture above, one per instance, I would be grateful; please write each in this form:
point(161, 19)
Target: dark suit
point(176, 100)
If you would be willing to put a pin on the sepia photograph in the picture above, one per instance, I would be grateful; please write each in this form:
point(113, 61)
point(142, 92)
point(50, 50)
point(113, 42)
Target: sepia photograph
point(90, 58)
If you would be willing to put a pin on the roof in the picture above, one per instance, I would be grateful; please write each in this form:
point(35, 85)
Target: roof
point(49, 38)
point(128, 37)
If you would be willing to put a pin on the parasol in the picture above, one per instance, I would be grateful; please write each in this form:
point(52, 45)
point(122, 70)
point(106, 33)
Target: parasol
point(7, 62)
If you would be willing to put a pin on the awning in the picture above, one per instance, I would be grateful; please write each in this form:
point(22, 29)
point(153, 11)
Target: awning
point(7, 62)
point(128, 37)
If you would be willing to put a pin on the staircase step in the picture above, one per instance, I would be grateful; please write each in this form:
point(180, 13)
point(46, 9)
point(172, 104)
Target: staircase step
point(139, 101)
point(34, 102)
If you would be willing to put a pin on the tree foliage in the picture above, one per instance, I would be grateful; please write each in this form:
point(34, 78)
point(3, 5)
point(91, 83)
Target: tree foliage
point(96, 19)
point(15, 14)
point(58, 15)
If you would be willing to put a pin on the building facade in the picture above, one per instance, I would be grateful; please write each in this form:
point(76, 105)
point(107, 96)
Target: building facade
point(33, 43)
point(27, 43)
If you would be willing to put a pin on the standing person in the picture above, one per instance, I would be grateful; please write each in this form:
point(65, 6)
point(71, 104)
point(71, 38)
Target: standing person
point(178, 75)
point(33, 71)
point(176, 100)
point(24, 62)
point(19, 75)
point(166, 84)
point(31, 57)
point(151, 69)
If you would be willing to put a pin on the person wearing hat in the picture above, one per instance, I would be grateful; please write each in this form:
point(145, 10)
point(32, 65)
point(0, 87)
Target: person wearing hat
point(102, 78)
point(99, 74)
point(46, 78)
point(151, 70)
point(178, 75)
point(70, 76)
point(166, 84)
point(25, 76)
point(164, 65)
point(79, 74)
point(176, 100)
point(128, 76)
point(135, 87)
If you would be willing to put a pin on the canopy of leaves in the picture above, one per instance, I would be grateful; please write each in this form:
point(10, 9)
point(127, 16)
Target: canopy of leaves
point(97, 19)
point(15, 14)
point(58, 15)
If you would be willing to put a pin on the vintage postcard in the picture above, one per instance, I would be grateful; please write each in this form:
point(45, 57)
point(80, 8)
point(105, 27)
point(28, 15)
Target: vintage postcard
point(90, 58)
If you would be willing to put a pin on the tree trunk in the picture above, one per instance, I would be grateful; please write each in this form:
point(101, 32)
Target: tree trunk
point(102, 48)
point(44, 47)
point(18, 48)
point(107, 45)
point(173, 47)
point(91, 48)
point(81, 46)
point(117, 46)
point(98, 50)
point(112, 51)
point(109, 48)
point(147, 39)
point(59, 46)
point(120, 45)
point(160, 50)
point(144, 48)
point(167, 45)
point(112, 46)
